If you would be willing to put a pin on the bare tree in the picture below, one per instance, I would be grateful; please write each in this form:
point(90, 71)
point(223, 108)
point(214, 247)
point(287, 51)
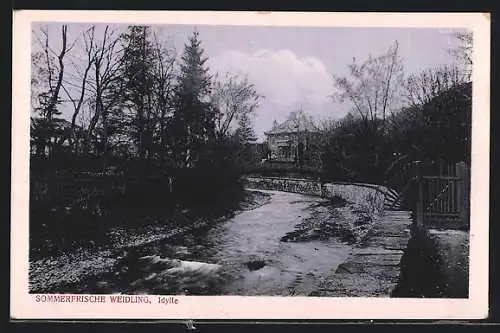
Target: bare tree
point(234, 98)
point(55, 89)
point(39, 78)
point(421, 88)
point(89, 40)
point(463, 52)
point(373, 86)
point(53, 75)
point(105, 66)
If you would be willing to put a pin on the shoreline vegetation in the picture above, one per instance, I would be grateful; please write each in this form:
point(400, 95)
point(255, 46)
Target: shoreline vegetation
point(64, 270)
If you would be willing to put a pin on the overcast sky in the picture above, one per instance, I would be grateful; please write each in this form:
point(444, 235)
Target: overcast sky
point(293, 67)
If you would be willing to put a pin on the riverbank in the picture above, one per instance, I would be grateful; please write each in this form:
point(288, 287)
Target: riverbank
point(275, 243)
point(372, 268)
point(77, 269)
point(334, 218)
point(436, 264)
point(72, 210)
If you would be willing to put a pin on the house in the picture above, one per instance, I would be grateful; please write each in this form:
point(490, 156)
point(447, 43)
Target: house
point(290, 140)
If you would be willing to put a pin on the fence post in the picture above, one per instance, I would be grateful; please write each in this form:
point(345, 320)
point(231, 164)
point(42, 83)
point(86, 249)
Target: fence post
point(463, 193)
point(420, 199)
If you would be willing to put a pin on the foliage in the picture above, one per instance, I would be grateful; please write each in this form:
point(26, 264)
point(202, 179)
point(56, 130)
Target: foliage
point(245, 133)
point(193, 123)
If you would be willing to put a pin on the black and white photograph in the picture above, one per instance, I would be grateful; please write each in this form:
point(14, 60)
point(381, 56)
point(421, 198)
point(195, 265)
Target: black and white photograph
point(249, 160)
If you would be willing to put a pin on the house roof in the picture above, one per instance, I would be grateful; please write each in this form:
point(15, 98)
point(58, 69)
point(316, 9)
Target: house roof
point(297, 121)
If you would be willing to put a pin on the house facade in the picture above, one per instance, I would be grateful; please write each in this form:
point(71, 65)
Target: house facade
point(289, 141)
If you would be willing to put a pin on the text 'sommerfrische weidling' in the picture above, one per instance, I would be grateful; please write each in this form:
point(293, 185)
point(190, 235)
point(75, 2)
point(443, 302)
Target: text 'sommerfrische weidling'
point(120, 299)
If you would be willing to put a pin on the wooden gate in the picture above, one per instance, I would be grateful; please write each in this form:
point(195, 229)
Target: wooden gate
point(443, 199)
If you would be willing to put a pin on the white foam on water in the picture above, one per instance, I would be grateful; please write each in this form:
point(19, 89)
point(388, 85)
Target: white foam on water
point(157, 260)
point(190, 267)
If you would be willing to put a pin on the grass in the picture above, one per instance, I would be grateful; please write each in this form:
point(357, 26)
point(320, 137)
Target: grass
point(434, 266)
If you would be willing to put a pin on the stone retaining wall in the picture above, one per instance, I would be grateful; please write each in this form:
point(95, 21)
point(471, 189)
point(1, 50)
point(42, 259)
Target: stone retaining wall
point(371, 197)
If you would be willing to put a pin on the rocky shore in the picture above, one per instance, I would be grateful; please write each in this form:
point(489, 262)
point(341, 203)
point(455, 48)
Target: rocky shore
point(378, 242)
point(349, 222)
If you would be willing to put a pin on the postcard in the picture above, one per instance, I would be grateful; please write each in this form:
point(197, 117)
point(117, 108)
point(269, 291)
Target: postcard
point(250, 165)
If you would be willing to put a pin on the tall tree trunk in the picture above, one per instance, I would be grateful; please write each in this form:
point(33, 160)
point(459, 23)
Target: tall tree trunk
point(72, 137)
point(140, 128)
point(55, 95)
point(188, 161)
point(90, 130)
point(162, 136)
point(106, 143)
point(142, 101)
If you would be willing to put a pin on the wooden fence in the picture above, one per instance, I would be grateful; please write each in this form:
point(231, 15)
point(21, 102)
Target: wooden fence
point(443, 199)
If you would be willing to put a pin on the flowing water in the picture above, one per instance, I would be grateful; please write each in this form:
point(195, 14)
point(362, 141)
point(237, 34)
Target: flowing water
point(244, 255)
point(240, 256)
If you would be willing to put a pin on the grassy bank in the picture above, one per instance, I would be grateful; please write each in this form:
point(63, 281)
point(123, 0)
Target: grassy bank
point(435, 265)
point(78, 210)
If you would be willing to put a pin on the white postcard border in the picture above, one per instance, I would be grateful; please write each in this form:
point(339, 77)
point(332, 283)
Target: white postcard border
point(24, 305)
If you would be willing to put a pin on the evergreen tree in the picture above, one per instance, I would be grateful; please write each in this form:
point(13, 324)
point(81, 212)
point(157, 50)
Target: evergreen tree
point(138, 80)
point(245, 133)
point(193, 121)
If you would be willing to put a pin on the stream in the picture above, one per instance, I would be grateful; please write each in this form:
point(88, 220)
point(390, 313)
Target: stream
point(240, 256)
